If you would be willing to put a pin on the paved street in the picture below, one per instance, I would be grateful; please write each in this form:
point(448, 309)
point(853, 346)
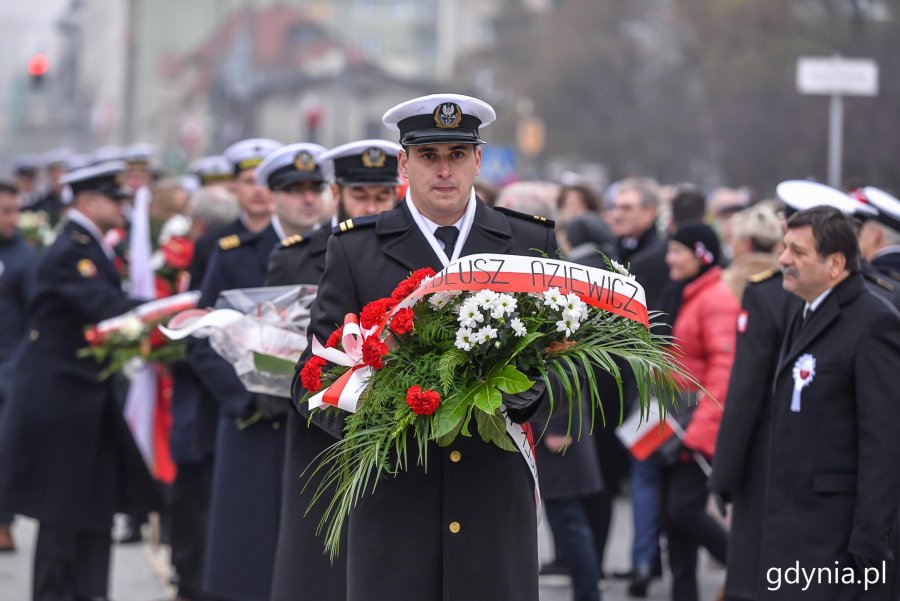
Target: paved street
point(140, 571)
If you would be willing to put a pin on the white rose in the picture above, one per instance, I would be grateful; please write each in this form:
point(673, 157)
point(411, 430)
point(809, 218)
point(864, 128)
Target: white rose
point(132, 327)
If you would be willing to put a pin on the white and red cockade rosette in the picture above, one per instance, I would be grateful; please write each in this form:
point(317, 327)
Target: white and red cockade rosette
point(803, 373)
point(492, 326)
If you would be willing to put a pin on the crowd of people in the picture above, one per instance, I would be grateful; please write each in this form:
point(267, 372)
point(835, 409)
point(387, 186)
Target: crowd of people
point(783, 311)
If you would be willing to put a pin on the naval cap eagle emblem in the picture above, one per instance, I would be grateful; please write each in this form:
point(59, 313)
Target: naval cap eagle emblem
point(447, 115)
point(304, 161)
point(374, 158)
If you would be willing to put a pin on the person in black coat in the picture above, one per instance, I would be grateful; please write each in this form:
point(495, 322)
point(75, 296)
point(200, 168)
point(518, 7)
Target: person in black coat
point(246, 497)
point(739, 465)
point(17, 263)
point(194, 413)
point(67, 457)
point(365, 183)
point(833, 490)
point(466, 529)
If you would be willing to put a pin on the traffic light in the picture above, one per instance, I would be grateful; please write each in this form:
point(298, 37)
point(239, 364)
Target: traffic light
point(38, 65)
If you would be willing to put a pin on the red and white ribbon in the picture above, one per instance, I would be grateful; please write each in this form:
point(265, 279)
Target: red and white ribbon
point(344, 393)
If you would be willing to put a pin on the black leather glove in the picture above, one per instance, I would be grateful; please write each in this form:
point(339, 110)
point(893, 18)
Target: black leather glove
point(527, 398)
point(271, 407)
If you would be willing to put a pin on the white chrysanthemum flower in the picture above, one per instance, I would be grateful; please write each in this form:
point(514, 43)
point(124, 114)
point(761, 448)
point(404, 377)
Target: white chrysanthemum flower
point(464, 339)
point(518, 327)
point(504, 305)
point(132, 327)
point(620, 269)
point(486, 299)
point(485, 334)
point(554, 298)
point(469, 314)
point(567, 325)
point(575, 308)
point(439, 300)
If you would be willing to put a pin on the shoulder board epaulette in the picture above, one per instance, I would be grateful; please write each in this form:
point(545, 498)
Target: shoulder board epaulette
point(80, 238)
point(893, 275)
point(292, 241)
point(526, 216)
point(879, 281)
point(229, 242)
point(352, 224)
point(762, 276)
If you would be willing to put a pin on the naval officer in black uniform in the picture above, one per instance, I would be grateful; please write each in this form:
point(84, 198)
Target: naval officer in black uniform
point(365, 180)
point(67, 457)
point(466, 529)
point(246, 491)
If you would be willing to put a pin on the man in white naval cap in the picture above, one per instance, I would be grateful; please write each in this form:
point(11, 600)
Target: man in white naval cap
point(249, 457)
point(67, 457)
point(879, 238)
point(471, 532)
point(365, 180)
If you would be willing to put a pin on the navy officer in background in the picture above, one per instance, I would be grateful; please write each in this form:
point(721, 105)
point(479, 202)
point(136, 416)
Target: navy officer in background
point(67, 457)
point(365, 180)
point(476, 501)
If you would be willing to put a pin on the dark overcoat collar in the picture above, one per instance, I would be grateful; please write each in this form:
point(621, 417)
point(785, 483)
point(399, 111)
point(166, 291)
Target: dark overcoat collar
point(406, 244)
point(820, 320)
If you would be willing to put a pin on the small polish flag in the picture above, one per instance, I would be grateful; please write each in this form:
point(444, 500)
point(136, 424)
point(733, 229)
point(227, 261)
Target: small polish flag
point(643, 437)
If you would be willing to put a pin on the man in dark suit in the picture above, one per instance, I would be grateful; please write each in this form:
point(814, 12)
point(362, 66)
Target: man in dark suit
point(423, 535)
point(67, 457)
point(833, 487)
point(365, 180)
point(249, 456)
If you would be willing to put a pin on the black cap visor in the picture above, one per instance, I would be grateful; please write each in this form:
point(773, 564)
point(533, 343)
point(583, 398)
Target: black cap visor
point(289, 176)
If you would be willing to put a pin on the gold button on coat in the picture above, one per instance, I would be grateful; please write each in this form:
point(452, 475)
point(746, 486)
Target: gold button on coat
point(35, 334)
point(455, 456)
point(276, 425)
point(454, 527)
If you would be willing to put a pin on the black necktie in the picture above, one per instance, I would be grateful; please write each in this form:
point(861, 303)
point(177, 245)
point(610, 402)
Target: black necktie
point(448, 235)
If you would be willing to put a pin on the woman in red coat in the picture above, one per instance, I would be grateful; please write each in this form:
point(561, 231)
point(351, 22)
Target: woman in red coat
point(705, 314)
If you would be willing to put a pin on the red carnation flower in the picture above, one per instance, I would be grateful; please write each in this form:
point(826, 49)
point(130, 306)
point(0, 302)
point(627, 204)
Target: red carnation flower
point(407, 286)
point(403, 321)
point(178, 252)
point(311, 374)
point(373, 350)
point(157, 338)
point(93, 337)
point(374, 312)
point(422, 402)
point(335, 338)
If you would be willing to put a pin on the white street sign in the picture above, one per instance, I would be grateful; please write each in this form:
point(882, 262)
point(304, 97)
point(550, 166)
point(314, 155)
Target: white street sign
point(835, 75)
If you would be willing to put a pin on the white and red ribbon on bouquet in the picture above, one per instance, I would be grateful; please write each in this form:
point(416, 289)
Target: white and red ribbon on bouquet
point(344, 393)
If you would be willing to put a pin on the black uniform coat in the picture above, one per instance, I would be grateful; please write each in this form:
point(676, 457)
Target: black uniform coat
point(400, 546)
point(246, 490)
point(18, 261)
point(888, 264)
point(742, 447)
point(834, 487)
point(67, 457)
point(302, 569)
